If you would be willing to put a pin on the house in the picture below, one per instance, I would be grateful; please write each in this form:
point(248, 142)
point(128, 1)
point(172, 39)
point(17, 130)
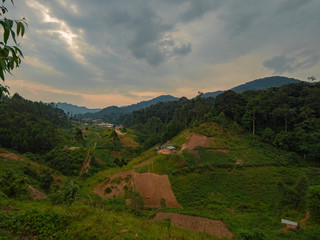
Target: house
point(171, 148)
point(166, 149)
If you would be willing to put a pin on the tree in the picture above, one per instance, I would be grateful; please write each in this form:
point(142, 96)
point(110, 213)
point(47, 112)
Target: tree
point(10, 54)
point(286, 113)
point(312, 78)
point(253, 107)
point(78, 135)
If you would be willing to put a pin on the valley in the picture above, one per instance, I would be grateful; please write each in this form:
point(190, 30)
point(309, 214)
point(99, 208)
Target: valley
point(160, 175)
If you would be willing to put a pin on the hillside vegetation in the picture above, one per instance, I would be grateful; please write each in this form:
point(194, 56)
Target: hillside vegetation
point(241, 162)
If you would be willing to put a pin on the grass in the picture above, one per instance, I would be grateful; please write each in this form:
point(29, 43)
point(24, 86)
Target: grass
point(247, 198)
point(82, 221)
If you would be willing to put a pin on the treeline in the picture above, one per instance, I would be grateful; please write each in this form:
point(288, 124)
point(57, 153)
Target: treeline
point(28, 126)
point(162, 121)
point(287, 117)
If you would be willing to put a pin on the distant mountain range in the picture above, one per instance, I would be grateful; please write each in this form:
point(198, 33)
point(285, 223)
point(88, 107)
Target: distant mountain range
point(74, 109)
point(113, 113)
point(263, 83)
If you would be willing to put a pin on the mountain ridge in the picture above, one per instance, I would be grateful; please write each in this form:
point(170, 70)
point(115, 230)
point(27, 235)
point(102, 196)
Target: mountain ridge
point(112, 113)
point(258, 84)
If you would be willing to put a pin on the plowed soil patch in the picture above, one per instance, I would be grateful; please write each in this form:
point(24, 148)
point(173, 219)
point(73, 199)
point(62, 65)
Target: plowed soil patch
point(196, 140)
point(153, 188)
point(197, 224)
point(11, 156)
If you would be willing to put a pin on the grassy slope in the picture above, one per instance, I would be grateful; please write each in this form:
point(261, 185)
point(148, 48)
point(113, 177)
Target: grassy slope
point(88, 218)
point(245, 197)
point(41, 220)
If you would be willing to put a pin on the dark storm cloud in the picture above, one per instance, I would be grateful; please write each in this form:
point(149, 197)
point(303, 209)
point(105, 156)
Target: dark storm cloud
point(283, 64)
point(184, 49)
point(280, 64)
point(151, 44)
point(198, 8)
point(290, 5)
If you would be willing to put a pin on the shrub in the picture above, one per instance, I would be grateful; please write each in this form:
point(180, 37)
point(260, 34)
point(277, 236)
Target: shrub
point(252, 235)
point(314, 201)
point(66, 196)
point(108, 190)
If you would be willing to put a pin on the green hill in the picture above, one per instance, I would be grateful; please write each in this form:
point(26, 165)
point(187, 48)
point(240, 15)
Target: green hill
point(236, 165)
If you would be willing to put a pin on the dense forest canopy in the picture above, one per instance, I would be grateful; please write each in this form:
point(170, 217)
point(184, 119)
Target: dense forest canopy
point(29, 126)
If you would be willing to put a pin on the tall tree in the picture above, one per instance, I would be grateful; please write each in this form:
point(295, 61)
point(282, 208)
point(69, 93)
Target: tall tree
point(285, 113)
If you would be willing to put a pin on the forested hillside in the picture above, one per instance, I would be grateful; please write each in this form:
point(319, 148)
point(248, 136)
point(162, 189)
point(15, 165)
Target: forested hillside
point(29, 126)
point(287, 117)
point(225, 164)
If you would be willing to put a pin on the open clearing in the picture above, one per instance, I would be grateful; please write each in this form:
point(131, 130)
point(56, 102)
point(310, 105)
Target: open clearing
point(165, 151)
point(115, 185)
point(11, 156)
point(196, 224)
point(196, 140)
point(152, 188)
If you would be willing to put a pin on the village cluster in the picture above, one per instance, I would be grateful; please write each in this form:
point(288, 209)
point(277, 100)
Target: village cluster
point(99, 123)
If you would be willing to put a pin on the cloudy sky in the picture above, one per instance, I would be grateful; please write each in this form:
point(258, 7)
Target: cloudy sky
point(99, 53)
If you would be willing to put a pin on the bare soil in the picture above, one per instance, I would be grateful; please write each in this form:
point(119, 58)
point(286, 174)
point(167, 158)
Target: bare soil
point(152, 188)
point(165, 151)
point(119, 132)
point(196, 140)
point(36, 194)
point(304, 220)
point(11, 156)
point(74, 148)
point(86, 163)
point(196, 224)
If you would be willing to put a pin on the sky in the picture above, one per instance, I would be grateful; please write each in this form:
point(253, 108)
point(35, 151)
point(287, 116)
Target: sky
point(100, 53)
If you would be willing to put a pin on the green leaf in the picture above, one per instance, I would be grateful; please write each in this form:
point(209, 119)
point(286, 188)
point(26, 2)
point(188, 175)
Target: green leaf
point(13, 36)
point(18, 28)
point(1, 74)
point(2, 64)
point(6, 36)
point(22, 28)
